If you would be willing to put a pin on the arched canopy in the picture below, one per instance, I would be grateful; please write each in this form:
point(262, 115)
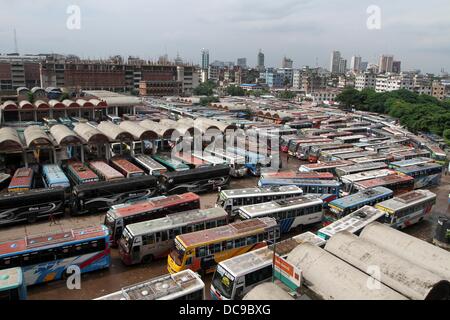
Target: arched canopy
point(55, 104)
point(9, 105)
point(139, 132)
point(84, 103)
point(9, 140)
point(222, 126)
point(36, 137)
point(25, 105)
point(22, 90)
point(70, 104)
point(114, 132)
point(39, 104)
point(38, 91)
point(163, 130)
point(191, 124)
point(98, 103)
point(90, 134)
point(64, 136)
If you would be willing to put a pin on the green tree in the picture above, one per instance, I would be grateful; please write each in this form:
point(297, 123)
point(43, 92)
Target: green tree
point(30, 97)
point(205, 89)
point(234, 90)
point(286, 95)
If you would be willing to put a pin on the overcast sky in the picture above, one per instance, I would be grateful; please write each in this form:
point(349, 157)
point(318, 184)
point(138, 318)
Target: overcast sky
point(416, 32)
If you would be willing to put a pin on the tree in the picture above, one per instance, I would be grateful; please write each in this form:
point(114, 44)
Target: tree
point(205, 89)
point(204, 101)
point(64, 96)
point(287, 95)
point(30, 97)
point(233, 90)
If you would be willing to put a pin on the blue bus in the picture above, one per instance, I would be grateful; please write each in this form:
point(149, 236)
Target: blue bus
point(425, 175)
point(54, 177)
point(12, 286)
point(47, 257)
point(369, 197)
point(253, 161)
point(328, 187)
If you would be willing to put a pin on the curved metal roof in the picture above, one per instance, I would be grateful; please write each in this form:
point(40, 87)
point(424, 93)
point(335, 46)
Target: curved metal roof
point(55, 104)
point(39, 104)
point(37, 89)
point(9, 105)
point(18, 90)
point(90, 134)
point(139, 132)
point(9, 140)
point(98, 103)
point(165, 131)
point(182, 128)
point(122, 101)
point(84, 103)
point(25, 105)
point(64, 136)
point(36, 137)
point(114, 132)
point(70, 104)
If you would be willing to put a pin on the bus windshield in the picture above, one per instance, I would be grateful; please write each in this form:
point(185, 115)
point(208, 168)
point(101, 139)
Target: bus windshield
point(177, 254)
point(223, 282)
point(109, 222)
point(126, 240)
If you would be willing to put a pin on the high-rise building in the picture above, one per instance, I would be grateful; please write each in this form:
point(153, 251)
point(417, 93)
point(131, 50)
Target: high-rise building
point(356, 64)
point(363, 66)
point(242, 63)
point(386, 63)
point(260, 66)
point(343, 66)
point(205, 59)
point(287, 63)
point(335, 62)
point(397, 67)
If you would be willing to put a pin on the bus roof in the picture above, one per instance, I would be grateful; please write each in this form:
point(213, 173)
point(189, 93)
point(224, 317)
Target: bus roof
point(328, 164)
point(382, 181)
point(190, 159)
point(22, 178)
point(233, 230)
point(105, 170)
point(254, 260)
point(83, 172)
point(360, 167)
point(298, 175)
point(177, 164)
point(406, 200)
point(419, 167)
point(10, 278)
point(238, 193)
point(147, 161)
point(366, 175)
point(126, 165)
point(51, 239)
point(54, 174)
point(411, 162)
point(362, 196)
point(176, 220)
point(129, 209)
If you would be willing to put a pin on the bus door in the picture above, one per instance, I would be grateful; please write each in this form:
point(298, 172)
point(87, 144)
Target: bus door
point(239, 288)
point(136, 250)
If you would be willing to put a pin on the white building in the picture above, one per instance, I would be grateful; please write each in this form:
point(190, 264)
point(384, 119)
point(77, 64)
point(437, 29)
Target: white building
point(323, 96)
point(366, 80)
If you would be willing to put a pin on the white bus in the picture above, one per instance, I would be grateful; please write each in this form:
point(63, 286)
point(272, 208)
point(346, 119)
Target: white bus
point(143, 242)
point(354, 222)
point(231, 200)
point(153, 167)
point(236, 162)
point(213, 160)
point(235, 277)
point(289, 213)
point(357, 168)
point(408, 209)
point(349, 180)
point(185, 285)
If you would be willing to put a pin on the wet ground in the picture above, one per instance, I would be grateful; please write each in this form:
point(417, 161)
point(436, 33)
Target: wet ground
point(100, 283)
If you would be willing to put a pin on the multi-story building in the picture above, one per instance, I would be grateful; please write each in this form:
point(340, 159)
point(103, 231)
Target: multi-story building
point(308, 80)
point(343, 66)
point(260, 65)
point(274, 79)
point(396, 66)
point(242, 63)
point(335, 64)
point(386, 64)
point(287, 63)
point(189, 78)
point(346, 82)
point(19, 71)
point(214, 72)
point(355, 65)
point(441, 89)
point(205, 59)
point(322, 96)
point(365, 80)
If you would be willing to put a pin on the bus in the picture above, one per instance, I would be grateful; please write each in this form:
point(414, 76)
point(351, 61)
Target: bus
point(22, 180)
point(231, 200)
point(436, 153)
point(119, 216)
point(346, 205)
point(349, 139)
point(12, 285)
point(104, 171)
point(353, 155)
point(350, 180)
point(375, 158)
point(289, 213)
point(407, 155)
point(329, 187)
point(195, 180)
point(209, 159)
point(329, 166)
point(235, 277)
point(126, 168)
point(304, 149)
point(329, 155)
point(80, 174)
point(316, 151)
point(54, 177)
point(407, 209)
point(99, 197)
point(358, 168)
point(172, 164)
point(190, 160)
point(46, 257)
point(29, 206)
point(354, 222)
point(411, 162)
point(298, 175)
point(425, 175)
point(151, 166)
point(253, 161)
point(236, 162)
point(185, 285)
point(286, 140)
point(398, 183)
point(146, 241)
point(201, 251)
point(294, 145)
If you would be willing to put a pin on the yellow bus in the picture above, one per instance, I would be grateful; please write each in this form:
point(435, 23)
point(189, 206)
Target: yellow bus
point(201, 251)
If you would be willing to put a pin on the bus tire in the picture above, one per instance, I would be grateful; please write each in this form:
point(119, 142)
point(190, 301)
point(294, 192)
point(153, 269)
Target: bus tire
point(147, 259)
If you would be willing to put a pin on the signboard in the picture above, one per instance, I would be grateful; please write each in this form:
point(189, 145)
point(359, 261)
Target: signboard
point(288, 274)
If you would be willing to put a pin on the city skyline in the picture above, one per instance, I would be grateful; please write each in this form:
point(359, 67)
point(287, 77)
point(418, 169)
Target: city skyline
point(281, 28)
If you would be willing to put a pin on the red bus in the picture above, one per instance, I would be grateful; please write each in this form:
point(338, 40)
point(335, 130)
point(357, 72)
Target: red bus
point(396, 182)
point(22, 180)
point(81, 174)
point(191, 161)
point(126, 168)
point(105, 171)
point(119, 216)
point(313, 175)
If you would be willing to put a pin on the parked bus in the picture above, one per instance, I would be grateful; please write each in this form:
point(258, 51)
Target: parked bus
point(231, 200)
point(172, 164)
point(346, 205)
point(146, 241)
point(412, 154)
point(195, 180)
point(126, 168)
point(12, 285)
point(104, 171)
point(151, 166)
point(190, 160)
point(425, 175)
point(350, 180)
point(236, 162)
point(354, 222)
point(316, 151)
point(100, 196)
point(286, 140)
point(253, 161)
point(330, 166)
point(408, 209)
point(119, 216)
point(201, 251)
point(235, 277)
point(304, 150)
point(185, 285)
point(80, 174)
point(353, 155)
point(46, 257)
point(22, 180)
point(436, 153)
point(358, 168)
point(396, 182)
point(290, 213)
point(411, 162)
point(329, 187)
point(31, 205)
point(375, 158)
point(294, 145)
point(349, 139)
point(54, 177)
point(329, 155)
point(313, 175)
